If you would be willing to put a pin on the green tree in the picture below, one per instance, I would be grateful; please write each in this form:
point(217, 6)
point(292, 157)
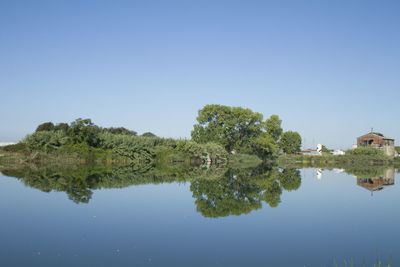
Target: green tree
point(290, 142)
point(83, 130)
point(273, 127)
point(232, 127)
point(47, 126)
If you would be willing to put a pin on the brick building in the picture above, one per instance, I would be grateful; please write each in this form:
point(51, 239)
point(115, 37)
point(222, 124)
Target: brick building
point(377, 140)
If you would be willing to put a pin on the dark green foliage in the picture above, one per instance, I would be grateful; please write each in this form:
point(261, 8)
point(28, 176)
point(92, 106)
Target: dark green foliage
point(62, 127)
point(290, 142)
point(397, 148)
point(84, 131)
point(149, 134)
point(47, 126)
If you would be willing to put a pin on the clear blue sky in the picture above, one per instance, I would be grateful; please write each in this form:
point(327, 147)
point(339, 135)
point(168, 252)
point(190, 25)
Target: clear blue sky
point(329, 69)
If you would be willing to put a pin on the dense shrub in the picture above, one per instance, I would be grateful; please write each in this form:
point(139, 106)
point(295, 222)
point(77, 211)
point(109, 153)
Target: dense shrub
point(366, 151)
point(17, 148)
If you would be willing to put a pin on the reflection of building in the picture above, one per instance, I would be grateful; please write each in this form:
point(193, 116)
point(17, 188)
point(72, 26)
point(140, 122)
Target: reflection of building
point(377, 183)
point(319, 174)
point(377, 140)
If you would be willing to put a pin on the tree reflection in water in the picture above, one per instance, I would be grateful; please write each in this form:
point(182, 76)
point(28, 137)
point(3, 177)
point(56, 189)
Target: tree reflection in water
point(242, 190)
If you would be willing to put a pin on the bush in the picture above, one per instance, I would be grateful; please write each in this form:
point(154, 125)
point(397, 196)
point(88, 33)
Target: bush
point(366, 151)
point(16, 148)
point(46, 140)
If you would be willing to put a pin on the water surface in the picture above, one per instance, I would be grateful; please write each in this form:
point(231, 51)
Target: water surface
point(197, 217)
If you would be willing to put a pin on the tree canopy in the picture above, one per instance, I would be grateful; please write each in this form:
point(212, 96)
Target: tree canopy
point(290, 142)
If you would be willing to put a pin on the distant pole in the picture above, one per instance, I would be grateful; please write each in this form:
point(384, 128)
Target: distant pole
point(372, 129)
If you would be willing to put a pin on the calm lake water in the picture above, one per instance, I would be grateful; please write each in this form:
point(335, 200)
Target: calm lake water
point(250, 217)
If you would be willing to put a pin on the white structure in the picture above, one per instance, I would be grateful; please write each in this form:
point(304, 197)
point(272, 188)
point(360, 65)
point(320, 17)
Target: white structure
point(319, 148)
point(338, 152)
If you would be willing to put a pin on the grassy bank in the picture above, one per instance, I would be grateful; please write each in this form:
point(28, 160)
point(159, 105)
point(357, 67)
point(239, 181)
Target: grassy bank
point(340, 161)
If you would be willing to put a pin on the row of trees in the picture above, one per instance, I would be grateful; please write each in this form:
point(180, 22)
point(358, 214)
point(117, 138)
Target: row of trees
point(79, 124)
point(242, 130)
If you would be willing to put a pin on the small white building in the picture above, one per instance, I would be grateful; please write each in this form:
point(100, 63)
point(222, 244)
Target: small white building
point(338, 152)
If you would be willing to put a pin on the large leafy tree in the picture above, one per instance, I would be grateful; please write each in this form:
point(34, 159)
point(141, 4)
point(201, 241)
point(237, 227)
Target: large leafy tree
point(290, 142)
point(232, 127)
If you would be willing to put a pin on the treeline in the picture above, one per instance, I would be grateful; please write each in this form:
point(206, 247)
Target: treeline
point(87, 140)
point(220, 130)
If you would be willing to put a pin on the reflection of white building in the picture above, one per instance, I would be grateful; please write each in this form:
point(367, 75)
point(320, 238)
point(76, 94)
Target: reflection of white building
point(338, 170)
point(319, 174)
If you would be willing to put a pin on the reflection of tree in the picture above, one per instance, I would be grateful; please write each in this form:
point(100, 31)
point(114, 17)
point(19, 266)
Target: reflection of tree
point(290, 179)
point(241, 191)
